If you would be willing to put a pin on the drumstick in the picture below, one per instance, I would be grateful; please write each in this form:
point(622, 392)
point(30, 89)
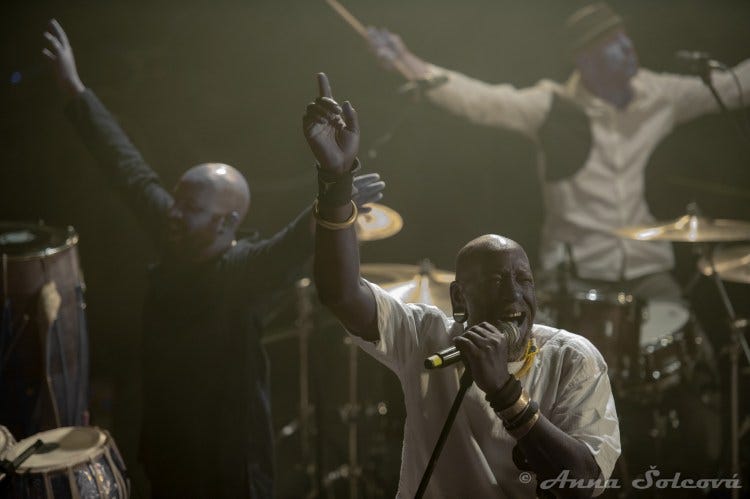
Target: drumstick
point(349, 18)
point(360, 28)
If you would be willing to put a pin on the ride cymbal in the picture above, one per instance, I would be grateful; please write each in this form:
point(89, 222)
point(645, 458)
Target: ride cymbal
point(381, 222)
point(689, 228)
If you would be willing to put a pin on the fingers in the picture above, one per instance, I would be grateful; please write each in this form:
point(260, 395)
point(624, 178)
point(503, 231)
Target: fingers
point(370, 191)
point(324, 87)
point(350, 117)
point(48, 54)
point(59, 31)
point(321, 113)
point(54, 42)
point(362, 180)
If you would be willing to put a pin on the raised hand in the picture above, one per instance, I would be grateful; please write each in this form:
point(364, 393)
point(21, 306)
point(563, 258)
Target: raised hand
point(485, 351)
point(393, 54)
point(332, 131)
point(367, 189)
point(60, 54)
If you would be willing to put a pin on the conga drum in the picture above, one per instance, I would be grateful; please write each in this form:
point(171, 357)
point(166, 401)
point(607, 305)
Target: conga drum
point(44, 378)
point(73, 462)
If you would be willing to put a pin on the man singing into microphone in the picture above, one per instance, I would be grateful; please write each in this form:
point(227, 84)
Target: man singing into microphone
point(595, 133)
point(541, 406)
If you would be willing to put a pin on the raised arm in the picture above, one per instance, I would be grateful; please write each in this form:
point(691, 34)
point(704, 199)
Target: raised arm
point(332, 132)
point(116, 156)
point(523, 110)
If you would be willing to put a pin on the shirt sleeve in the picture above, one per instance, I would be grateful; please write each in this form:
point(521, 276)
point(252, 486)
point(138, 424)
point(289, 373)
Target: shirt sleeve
point(504, 106)
point(120, 161)
point(407, 332)
point(585, 409)
point(691, 98)
point(275, 262)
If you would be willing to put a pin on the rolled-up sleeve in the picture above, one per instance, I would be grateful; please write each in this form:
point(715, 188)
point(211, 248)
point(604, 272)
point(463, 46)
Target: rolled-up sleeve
point(400, 329)
point(585, 409)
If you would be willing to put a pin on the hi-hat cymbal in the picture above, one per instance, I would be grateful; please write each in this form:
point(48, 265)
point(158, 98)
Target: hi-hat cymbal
point(379, 223)
point(689, 228)
point(732, 264)
point(413, 283)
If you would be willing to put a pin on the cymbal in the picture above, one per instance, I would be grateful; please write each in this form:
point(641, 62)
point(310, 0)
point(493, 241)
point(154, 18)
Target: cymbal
point(413, 283)
point(379, 223)
point(689, 228)
point(732, 264)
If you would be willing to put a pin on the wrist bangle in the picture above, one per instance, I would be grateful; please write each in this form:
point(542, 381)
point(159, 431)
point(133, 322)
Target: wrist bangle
point(515, 410)
point(335, 225)
point(521, 431)
point(505, 396)
point(527, 414)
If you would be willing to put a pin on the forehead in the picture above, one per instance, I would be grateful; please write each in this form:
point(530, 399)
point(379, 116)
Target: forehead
point(496, 261)
point(607, 42)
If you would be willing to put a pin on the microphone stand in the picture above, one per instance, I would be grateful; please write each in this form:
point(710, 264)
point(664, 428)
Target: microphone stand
point(466, 382)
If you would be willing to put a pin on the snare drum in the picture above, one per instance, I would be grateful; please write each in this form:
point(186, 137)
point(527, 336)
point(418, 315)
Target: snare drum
point(73, 462)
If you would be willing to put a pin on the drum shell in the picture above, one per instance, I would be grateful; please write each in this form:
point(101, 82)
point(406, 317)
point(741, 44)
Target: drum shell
point(35, 351)
point(611, 321)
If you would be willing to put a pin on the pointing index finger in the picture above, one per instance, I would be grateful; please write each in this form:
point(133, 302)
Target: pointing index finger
point(324, 87)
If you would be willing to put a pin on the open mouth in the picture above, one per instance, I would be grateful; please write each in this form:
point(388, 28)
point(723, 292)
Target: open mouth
point(517, 318)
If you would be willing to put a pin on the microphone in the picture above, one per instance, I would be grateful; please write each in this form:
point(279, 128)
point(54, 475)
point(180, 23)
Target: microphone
point(695, 62)
point(451, 355)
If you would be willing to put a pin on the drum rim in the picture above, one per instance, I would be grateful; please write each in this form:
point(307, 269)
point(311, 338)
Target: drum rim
point(93, 453)
point(70, 241)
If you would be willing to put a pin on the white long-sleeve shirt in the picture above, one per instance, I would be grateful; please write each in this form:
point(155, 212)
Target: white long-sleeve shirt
point(608, 191)
point(568, 379)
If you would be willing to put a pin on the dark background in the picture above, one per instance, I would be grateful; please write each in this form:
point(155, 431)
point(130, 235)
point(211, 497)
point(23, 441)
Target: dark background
point(227, 81)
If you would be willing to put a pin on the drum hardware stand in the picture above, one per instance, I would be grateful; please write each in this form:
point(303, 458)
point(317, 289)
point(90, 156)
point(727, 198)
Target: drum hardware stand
point(306, 409)
point(350, 414)
point(737, 343)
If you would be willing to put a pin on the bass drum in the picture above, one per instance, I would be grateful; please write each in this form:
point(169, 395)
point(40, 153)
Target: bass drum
point(44, 378)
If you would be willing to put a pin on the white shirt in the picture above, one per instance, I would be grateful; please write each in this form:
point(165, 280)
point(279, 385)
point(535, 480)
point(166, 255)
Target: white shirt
point(608, 191)
point(568, 380)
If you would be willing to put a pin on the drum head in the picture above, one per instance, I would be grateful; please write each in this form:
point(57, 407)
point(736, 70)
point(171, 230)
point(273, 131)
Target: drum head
point(30, 240)
point(662, 318)
point(63, 447)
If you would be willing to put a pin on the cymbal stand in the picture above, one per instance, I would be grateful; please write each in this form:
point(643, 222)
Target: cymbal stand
point(737, 342)
point(304, 326)
point(350, 414)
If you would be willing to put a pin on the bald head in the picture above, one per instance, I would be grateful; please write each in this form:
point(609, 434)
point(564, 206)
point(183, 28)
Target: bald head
point(210, 202)
point(477, 250)
point(232, 193)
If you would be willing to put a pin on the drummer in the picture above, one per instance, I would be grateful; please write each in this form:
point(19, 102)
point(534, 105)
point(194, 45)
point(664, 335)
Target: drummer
point(206, 422)
point(596, 133)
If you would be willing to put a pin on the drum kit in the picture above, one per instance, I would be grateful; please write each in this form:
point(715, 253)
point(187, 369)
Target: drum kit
point(44, 375)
